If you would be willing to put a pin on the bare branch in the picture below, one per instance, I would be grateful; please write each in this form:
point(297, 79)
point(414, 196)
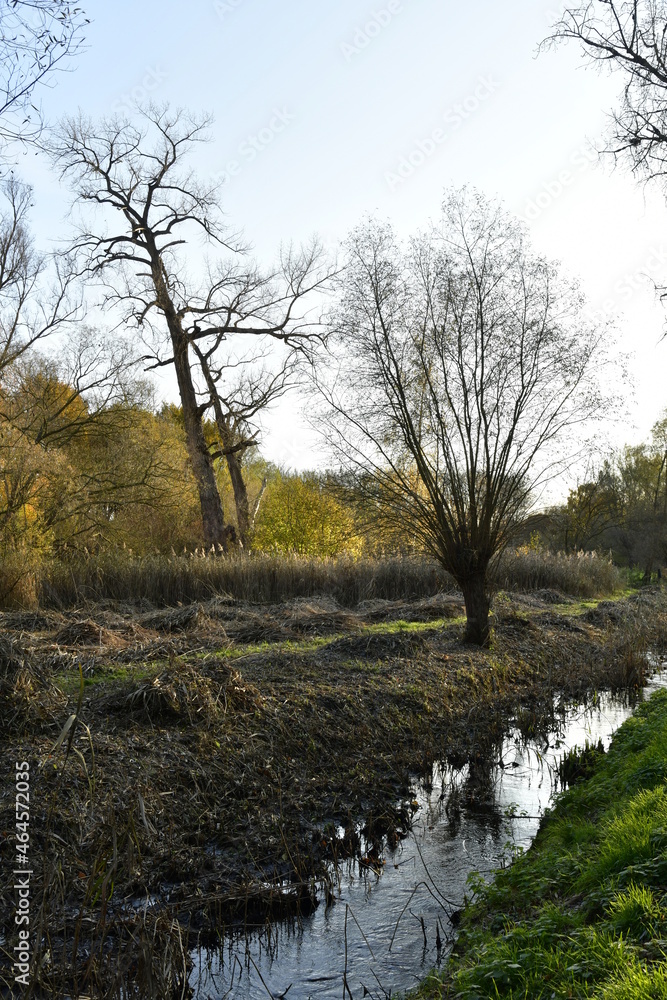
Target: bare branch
point(37, 37)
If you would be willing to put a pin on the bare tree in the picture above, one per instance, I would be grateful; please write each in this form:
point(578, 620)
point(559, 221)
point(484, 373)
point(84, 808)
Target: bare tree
point(53, 400)
point(35, 300)
point(238, 391)
point(133, 173)
point(630, 36)
point(240, 387)
point(36, 38)
point(461, 359)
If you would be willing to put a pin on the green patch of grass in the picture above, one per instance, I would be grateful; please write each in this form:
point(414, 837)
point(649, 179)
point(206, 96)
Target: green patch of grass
point(111, 674)
point(312, 644)
point(581, 607)
point(584, 912)
point(309, 645)
point(400, 625)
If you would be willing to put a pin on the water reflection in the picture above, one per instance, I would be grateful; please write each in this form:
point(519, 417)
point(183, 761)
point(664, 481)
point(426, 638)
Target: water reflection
point(386, 930)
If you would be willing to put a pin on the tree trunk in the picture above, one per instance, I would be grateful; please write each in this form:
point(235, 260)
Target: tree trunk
point(477, 604)
point(240, 495)
point(213, 521)
point(258, 501)
point(200, 459)
point(233, 453)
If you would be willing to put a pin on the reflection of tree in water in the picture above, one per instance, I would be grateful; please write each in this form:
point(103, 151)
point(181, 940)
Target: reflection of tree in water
point(479, 790)
point(476, 793)
point(479, 757)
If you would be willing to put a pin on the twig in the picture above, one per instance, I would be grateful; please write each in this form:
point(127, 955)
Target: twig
point(345, 986)
point(360, 930)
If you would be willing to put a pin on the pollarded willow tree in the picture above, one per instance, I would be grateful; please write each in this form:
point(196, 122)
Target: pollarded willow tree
point(462, 360)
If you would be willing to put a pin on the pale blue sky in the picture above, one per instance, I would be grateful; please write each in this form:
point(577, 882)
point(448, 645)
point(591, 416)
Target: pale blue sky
point(329, 111)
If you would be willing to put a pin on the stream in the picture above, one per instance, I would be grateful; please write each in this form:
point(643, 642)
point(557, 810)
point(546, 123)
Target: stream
point(388, 927)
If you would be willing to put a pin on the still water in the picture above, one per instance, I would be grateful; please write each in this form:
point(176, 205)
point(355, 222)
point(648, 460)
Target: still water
point(388, 928)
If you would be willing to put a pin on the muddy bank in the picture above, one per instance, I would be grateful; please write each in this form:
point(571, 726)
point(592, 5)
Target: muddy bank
point(223, 753)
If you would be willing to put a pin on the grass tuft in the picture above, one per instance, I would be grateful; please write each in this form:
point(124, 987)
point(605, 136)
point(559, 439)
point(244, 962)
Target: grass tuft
point(581, 574)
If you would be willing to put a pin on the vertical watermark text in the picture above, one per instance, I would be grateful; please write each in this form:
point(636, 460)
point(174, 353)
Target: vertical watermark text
point(22, 873)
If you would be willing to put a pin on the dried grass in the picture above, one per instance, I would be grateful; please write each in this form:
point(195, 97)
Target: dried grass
point(183, 692)
point(260, 578)
point(381, 646)
point(84, 633)
point(28, 695)
point(27, 701)
point(582, 574)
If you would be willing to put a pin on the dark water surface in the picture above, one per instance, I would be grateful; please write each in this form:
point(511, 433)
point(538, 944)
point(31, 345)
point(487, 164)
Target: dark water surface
point(470, 820)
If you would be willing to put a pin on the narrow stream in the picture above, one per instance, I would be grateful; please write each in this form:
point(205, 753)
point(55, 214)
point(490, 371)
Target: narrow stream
point(386, 931)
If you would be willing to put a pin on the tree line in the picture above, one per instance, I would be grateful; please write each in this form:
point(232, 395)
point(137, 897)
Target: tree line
point(450, 373)
point(622, 508)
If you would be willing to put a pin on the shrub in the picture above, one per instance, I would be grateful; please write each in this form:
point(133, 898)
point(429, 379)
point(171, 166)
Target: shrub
point(299, 516)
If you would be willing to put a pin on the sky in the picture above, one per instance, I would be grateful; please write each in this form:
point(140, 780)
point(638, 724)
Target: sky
point(325, 112)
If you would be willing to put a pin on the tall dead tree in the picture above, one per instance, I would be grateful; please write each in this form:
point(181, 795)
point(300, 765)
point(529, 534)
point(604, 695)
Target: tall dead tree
point(236, 398)
point(132, 174)
point(242, 386)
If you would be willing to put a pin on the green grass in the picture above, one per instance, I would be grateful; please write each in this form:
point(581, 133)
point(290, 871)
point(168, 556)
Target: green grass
point(111, 674)
point(313, 643)
point(404, 626)
point(309, 645)
point(583, 913)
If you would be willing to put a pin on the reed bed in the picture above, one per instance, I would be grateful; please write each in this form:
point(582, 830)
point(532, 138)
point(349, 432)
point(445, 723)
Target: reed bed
point(259, 578)
point(579, 574)
point(164, 581)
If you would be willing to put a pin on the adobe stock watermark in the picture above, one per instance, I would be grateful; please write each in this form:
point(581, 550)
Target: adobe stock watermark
point(550, 191)
point(555, 14)
point(225, 7)
point(625, 288)
point(22, 872)
point(254, 144)
point(152, 79)
point(375, 25)
point(452, 119)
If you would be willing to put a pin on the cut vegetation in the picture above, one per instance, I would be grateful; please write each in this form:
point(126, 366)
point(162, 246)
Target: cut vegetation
point(223, 754)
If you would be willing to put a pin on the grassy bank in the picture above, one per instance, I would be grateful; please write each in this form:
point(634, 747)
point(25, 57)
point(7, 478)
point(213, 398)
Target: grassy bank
point(198, 766)
point(583, 913)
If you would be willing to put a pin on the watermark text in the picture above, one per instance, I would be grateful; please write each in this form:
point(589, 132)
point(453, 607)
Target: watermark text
point(22, 873)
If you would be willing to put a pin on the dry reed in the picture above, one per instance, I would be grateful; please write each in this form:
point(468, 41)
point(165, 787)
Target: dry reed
point(168, 581)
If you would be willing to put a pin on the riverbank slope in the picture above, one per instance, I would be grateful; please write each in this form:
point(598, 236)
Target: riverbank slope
point(583, 913)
